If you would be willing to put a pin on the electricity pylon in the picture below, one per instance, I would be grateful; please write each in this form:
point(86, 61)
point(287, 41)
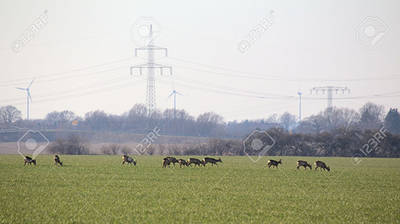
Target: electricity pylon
point(330, 90)
point(150, 66)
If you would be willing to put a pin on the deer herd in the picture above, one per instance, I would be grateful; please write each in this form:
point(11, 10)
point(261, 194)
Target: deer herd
point(301, 163)
point(167, 161)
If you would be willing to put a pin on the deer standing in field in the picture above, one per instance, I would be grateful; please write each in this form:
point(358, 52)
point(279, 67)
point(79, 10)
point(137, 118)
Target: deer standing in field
point(211, 160)
point(182, 162)
point(172, 160)
point(195, 161)
point(166, 163)
point(57, 160)
point(304, 164)
point(274, 163)
point(29, 160)
point(128, 159)
point(168, 160)
point(321, 165)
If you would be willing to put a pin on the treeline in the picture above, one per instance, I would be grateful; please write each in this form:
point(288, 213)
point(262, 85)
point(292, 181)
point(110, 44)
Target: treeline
point(340, 142)
point(180, 123)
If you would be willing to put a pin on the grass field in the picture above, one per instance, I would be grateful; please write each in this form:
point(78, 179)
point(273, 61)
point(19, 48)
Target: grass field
point(97, 189)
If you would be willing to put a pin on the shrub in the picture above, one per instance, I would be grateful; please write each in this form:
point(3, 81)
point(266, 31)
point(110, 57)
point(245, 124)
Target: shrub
point(115, 149)
point(111, 149)
point(73, 145)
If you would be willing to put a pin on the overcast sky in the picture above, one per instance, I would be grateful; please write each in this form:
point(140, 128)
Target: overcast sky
point(241, 59)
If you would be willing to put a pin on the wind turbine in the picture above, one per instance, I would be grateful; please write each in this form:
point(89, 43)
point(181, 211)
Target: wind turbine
point(28, 97)
point(299, 93)
point(174, 92)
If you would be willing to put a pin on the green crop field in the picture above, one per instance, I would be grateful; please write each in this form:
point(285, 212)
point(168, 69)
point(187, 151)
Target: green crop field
point(98, 189)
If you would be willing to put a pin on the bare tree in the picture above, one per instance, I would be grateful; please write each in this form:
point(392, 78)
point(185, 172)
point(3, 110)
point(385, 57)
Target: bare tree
point(287, 120)
point(210, 123)
point(371, 116)
point(60, 119)
point(392, 121)
point(9, 114)
point(97, 120)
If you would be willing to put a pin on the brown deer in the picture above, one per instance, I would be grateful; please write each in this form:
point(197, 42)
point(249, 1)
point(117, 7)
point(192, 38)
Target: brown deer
point(304, 164)
point(211, 160)
point(171, 160)
point(57, 160)
point(182, 162)
point(321, 165)
point(274, 163)
point(168, 160)
point(195, 161)
point(129, 160)
point(166, 163)
point(29, 160)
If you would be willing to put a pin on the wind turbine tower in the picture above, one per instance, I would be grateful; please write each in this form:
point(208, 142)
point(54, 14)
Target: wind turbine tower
point(28, 97)
point(330, 90)
point(174, 92)
point(151, 66)
point(299, 93)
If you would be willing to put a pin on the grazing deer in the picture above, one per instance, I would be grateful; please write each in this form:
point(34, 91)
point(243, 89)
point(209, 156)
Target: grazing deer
point(321, 165)
point(274, 163)
point(57, 160)
point(166, 162)
point(128, 159)
point(211, 160)
point(182, 162)
point(196, 162)
point(171, 160)
point(304, 164)
point(29, 160)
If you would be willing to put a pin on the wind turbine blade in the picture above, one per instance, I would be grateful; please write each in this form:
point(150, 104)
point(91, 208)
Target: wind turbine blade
point(30, 83)
point(171, 94)
point(179, 93)
point(21, 88)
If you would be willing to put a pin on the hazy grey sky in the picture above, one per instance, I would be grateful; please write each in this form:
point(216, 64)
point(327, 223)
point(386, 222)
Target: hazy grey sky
point(307, 44)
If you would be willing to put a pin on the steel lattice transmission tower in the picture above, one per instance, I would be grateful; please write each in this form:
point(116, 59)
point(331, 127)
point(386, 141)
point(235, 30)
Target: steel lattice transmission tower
point(330, 90)
point(151, 66)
